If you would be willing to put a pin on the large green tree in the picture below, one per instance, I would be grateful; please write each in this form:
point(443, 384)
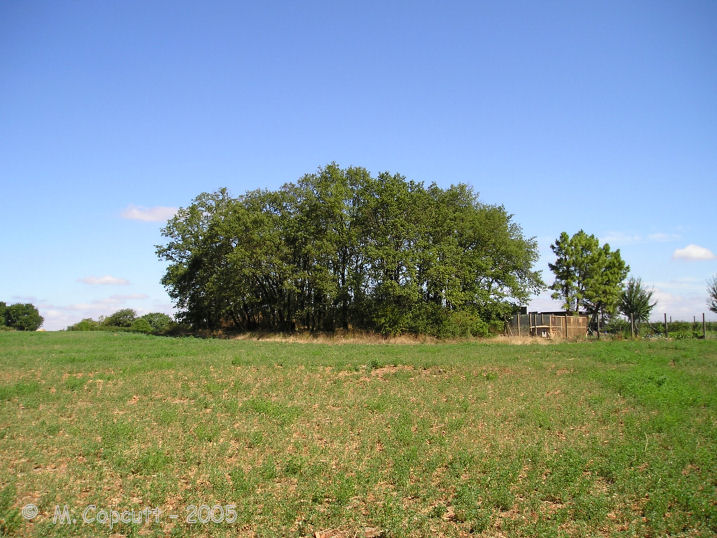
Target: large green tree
point(588, 276)
point(340, 248)
point(23, 317)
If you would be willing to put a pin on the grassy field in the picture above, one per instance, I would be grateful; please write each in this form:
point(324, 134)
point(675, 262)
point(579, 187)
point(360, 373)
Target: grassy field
point(576, 439)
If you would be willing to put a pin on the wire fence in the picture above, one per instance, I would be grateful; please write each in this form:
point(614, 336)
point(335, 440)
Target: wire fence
point(560, 325)
point(667, 328)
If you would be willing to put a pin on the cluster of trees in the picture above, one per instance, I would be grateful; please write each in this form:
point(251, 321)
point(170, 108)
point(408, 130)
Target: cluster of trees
point(19, 316)
point(342, 249)
point(127, 320)
point(589, 277)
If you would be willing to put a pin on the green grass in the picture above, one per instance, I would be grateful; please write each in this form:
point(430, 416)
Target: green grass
point(574, 439)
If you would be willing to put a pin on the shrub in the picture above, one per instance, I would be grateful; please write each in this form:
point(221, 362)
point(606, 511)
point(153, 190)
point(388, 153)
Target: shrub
point(23, 317)
point(121, 318)
point(618, 327)
point(141, 325)
point(126, 320)
point(87, 324)
point(159, 322)
point(463, 324)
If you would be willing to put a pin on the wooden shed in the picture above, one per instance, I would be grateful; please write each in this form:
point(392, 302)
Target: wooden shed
point(549, 325)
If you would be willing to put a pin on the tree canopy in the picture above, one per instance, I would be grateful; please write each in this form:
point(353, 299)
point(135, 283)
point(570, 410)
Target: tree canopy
point(340, 248)
point(157, 321)
point(587, 275)
point(23, 317)
point(635, 301)
point(121, 318)
point(126, 319)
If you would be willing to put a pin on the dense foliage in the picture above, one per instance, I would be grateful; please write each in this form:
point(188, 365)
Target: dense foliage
point(158, 322)
point(712, 294)
point(23, 317)
point(342, 249)
point(588, 276)
point(635, 301)
point(121, 318)
point(127, 320)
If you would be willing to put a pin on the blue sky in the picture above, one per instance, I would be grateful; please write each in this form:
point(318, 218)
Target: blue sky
point(592, 115)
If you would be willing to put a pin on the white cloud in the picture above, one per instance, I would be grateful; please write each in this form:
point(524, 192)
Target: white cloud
point(148, 214)
point(663, 237)
point(107, 302)
point(620, 238)
point(686, 283)
point(26, 299)
point(104, 281)
point(679, 306)
point(55, 320)
point(623, 238)
point(693, 252)
point(60, 316)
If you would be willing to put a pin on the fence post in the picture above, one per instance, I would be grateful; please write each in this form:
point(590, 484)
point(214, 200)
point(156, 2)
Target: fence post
point(704, 329)
point(598, 325)
point(530, 324)
point(518, 324)
point(632, 325)
point(667, 335)
point(566, 325)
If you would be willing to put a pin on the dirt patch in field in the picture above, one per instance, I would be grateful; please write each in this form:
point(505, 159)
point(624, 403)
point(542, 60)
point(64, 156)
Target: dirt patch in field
point(368, 532)
point(385, 370)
